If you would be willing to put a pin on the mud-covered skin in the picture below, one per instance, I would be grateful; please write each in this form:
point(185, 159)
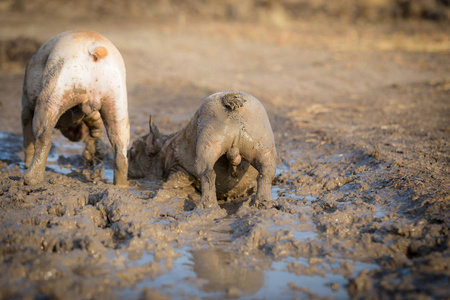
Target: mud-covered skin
point(75, 82)
point(230, 128)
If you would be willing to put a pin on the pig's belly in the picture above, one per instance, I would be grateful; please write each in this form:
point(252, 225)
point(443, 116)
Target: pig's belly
point(229, 187)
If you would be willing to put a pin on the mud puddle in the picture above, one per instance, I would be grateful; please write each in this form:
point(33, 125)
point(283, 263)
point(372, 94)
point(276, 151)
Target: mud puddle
point(337, 228)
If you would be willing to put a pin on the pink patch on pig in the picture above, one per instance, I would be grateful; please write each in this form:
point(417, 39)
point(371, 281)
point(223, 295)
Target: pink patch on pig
point(99, 53)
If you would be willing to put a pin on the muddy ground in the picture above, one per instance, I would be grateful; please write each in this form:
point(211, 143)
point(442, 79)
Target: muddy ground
point(360, 113)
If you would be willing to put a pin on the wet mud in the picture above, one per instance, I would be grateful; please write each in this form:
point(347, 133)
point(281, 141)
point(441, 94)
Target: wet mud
point(362, 184)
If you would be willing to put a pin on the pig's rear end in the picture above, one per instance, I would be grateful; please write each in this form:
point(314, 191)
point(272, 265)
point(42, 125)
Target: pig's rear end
point(235, 121)
point(236, 125)
point(76, 76)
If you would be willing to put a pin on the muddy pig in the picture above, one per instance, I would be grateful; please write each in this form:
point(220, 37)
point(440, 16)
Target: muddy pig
point(227, 139)
point(75, 82)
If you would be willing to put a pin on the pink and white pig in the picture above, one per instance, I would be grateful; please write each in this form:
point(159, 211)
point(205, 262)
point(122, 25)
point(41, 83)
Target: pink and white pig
point(75, 82)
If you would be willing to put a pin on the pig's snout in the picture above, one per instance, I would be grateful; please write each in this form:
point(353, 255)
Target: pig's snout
point(131, 153)
point(134, 168)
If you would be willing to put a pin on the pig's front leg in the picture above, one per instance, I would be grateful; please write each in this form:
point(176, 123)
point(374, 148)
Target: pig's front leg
point(95, 148)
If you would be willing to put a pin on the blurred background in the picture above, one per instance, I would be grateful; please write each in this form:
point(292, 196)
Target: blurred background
point(265, 11)
point(411, 25)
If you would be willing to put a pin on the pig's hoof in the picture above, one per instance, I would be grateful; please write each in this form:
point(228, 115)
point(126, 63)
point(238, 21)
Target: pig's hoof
point(32, 180)
point(121, 182)
point(207, 205)
point(120, 179)
point(88, 156)
point(122, 185)
point(264, 204)
point(101, 149)
point(214, 211)
point(95, 150)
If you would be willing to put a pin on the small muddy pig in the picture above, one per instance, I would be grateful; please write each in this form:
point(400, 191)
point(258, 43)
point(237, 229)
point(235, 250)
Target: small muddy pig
point(75, 82)
point(227, 148)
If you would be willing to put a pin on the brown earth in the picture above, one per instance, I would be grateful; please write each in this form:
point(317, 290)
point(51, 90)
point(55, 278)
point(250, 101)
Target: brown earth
point(360, 113)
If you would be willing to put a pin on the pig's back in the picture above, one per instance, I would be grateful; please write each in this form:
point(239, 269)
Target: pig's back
point(67, 46)
point(69, 58)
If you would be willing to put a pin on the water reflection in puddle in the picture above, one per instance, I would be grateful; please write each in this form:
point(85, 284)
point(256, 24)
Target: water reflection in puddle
point(178, 282)
point(212, 273)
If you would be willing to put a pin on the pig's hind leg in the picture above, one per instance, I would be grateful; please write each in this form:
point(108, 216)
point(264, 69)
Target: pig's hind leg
point(27, 129)
point(44, 120)
point(265, 164)
point(115, 119)
point(206, 158)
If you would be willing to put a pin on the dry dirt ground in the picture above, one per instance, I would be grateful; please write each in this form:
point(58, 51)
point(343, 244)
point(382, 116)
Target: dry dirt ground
point(361, 117)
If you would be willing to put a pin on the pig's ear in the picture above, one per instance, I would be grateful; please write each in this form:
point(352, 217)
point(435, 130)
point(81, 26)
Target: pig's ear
point(158, 138)
point(153, 129)
point(150, 122)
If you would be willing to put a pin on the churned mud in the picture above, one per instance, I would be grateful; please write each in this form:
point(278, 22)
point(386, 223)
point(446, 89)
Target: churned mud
point(361, 122)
